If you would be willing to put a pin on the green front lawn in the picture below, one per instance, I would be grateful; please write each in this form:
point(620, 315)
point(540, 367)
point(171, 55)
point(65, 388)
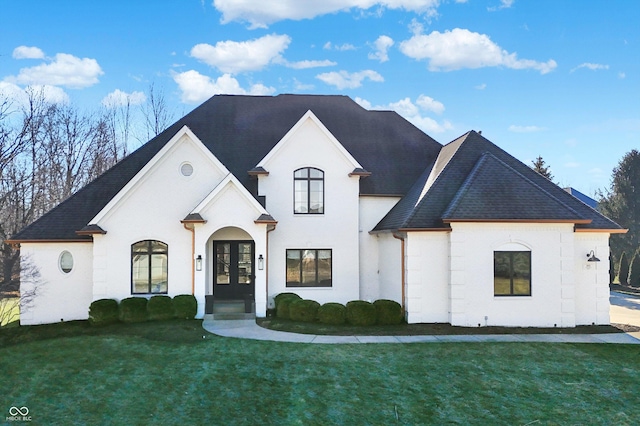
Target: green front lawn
point(175, 373)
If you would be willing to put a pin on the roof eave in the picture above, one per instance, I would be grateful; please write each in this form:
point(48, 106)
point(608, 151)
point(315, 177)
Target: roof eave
point(55, 240)
point(603, 230)
point(575, 221)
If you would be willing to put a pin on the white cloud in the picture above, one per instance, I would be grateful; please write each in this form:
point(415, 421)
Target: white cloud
point(26, 52)
point(363, 103)
point(382, 44)
point(344, 80)
point(259, 14)
point(481, 86)
point(461, 48)
point(413, 112)
point(65, 70)
point(525, 129)
point(301, 86)
point(239, 56)
point(301, 65)
point(119, 98)
point(504, 4)
point(591, 66)
point(342, 47)
point(50, 94)
point(621, 75)
point(197, 88)
point(429, 104)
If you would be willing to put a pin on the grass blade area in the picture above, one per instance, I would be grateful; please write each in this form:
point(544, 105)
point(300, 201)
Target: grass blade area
point(175, 373)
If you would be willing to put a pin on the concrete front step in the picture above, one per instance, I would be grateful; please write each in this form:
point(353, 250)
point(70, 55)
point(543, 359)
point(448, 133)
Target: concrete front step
point(233, 309)
point(228, 307)
point(233, 316)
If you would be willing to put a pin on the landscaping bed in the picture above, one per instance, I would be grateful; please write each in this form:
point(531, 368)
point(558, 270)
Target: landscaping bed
point(436, 329)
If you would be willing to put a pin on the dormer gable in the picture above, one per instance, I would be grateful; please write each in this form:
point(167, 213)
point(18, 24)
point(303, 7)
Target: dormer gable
point(183, 136)
point(308, 131)
point(230, 184)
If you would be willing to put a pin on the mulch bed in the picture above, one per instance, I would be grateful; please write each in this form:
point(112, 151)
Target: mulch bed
point(434, 329)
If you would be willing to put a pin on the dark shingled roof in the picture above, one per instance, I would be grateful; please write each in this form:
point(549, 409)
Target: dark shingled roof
point(240, 131)
point(521, 199)
point(474, 179)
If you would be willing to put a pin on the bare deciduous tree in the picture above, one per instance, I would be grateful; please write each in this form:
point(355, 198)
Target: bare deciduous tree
point(47, 152)
point(155, 113)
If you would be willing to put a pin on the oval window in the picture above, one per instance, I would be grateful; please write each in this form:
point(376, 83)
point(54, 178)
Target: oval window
point(66, 262)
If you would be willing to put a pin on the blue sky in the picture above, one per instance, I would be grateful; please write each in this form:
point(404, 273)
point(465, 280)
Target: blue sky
point(556, 78)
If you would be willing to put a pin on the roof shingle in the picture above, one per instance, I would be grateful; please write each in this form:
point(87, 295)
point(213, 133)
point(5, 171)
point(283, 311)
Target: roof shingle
point(240, 131)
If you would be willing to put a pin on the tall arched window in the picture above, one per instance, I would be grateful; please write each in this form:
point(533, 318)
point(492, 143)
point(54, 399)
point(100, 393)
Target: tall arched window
point(149, 267)
point(308, 191)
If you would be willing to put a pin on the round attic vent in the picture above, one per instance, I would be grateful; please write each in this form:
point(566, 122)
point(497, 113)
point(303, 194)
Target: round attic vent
point(186, 169)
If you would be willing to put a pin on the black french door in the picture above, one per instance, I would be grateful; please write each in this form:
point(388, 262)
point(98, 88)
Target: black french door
point(233, 270)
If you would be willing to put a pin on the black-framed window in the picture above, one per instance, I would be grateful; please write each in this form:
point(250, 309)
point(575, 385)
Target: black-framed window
point(308, 191)
point(512, 273)
point(149, 267)
point(309, 268)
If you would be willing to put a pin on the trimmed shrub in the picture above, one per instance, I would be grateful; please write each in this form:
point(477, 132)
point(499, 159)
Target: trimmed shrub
point(361, 312)
point(185, 306)
point(283, 296)
point(282, 308)
point(303, 310)
point(634, 270)
point(133, 309)
point(388, 312)
point(103, 312)
point(160, 308)
point(623, 269)
point(332, 313)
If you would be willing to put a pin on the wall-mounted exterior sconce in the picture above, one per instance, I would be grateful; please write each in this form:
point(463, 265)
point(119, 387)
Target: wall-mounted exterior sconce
point(199, 263)
point(592, 257)
point(260, 262)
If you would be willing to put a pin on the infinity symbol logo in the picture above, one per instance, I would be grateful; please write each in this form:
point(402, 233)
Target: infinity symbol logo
point(14, 411)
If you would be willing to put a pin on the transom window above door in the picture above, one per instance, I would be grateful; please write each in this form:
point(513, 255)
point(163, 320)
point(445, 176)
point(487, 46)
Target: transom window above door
point(308, 191)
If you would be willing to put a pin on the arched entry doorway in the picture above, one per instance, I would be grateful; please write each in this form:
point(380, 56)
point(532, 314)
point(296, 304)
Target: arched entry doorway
point(232, 271)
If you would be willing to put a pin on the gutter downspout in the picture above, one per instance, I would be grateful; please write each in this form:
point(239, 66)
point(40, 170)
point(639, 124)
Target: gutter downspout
point(191, 228)
point(402, 262)
point(266, 266)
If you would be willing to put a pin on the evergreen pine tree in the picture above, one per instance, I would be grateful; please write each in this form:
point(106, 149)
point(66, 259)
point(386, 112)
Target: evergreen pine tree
point(623, 269)
point(634, 270)
point(612, 272)
point(539, 166)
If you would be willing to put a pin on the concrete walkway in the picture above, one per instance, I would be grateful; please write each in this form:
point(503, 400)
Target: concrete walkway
point(248, 329)
point(625, 309)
